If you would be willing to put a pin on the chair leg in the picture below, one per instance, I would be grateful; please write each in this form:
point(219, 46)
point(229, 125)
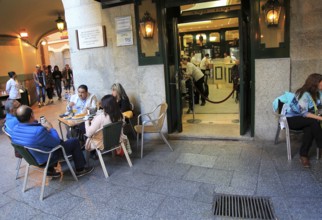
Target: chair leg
point(288, 144)
point(165, 140)
point(277, 133)
point(317, 153)
point(26, 178)
point(69, 165)
point(102, 163)
point(137, 141)
point(133, 131)
point(43, 184)
point(142, 139)
point(18, 166)
point(126, 155)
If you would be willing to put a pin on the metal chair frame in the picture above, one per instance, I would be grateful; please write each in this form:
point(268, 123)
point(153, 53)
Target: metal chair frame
point(33, 164)
point(283, 119)
point(111, 141)
point(19, 159)
point(157, 124)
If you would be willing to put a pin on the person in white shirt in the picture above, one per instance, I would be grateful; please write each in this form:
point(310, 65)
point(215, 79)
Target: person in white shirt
point(198, 78)
point(204, 64)
point(194, 59)
point(227, 58)
point(83, 101)
point(13, 86)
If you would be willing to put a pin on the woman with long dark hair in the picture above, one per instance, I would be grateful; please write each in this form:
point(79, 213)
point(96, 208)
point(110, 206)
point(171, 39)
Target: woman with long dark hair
point(111, 113)
point(303, 115)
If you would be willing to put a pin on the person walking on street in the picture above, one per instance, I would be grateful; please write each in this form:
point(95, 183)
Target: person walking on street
point(40, 81)
point(57, 76)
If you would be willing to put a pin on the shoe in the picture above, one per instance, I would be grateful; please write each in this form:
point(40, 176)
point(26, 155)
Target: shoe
point(203, 104)
point(305, 162)
point(51, 101)
point(43, 103)
point(39, 105)
point(53, 174)
point(85, 171)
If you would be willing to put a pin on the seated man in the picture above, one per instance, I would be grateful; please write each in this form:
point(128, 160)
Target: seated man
point(11, 119)
point(83, 101)
point(44, 137)
point(79, 104)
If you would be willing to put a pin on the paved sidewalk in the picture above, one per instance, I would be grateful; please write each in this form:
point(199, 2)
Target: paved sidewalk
point(168, 185)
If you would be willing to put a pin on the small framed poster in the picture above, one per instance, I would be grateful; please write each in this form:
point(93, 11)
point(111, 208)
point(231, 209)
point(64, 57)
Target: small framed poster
point(124, 34)
point(91, 37)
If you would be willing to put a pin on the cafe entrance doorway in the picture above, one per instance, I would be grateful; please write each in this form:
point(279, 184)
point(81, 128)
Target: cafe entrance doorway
point(216, 35)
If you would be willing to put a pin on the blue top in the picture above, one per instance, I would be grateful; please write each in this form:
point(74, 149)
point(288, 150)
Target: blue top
point(302, 106)
point(36, 136)
point(11, 122)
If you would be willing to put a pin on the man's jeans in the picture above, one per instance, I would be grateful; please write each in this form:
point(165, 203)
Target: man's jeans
point(41, 90)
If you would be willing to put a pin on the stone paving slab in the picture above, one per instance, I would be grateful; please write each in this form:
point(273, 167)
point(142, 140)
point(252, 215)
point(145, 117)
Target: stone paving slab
point(197, 160)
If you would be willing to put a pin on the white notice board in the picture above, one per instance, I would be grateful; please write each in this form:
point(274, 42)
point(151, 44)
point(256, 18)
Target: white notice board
point(123, 28)
point(91, 37)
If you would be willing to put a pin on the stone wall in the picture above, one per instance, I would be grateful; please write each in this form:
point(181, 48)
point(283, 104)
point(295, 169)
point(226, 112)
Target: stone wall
point(99, 68)
point(306, 43)
point(272, 78)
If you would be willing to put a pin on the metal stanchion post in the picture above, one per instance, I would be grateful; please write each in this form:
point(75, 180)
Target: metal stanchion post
point(193, 120)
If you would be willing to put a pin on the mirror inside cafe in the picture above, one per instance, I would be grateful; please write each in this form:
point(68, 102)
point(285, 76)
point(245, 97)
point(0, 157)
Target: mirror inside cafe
point(220, 39)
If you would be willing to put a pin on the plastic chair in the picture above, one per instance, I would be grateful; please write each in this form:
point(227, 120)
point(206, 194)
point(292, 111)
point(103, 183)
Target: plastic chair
point(282, 122)
point(32, 163)
point(111, 141)
point(128, 117)
point(17, 155)
point(153, 125)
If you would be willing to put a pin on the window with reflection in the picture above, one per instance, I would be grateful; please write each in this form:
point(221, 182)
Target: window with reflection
point(232, 35)
point(214, 37)
point(187, 40)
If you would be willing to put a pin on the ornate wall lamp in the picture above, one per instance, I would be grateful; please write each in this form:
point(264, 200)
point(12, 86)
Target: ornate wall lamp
point(147, 26)
point(272, 10)
point(60, 23)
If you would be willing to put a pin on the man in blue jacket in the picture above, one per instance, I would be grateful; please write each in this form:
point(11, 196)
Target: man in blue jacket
point(44, 137)
point(11, 107)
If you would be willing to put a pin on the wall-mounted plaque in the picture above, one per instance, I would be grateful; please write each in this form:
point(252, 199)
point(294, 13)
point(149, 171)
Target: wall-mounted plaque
point(124, 34)
point(91, 37)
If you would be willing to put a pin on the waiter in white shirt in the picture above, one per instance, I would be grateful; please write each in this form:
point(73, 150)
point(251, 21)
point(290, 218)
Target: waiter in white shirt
point(198, 78)
point(194, 59)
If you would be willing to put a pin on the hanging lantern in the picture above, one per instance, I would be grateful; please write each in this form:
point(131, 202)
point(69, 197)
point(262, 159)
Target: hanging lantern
point(272, 10)
point(147, 26)
point(60, 23)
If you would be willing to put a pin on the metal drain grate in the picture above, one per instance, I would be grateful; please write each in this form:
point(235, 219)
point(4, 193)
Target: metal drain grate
point(247, 207)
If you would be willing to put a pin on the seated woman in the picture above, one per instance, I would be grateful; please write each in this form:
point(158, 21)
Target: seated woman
point(111, 113)
point(122, 99)
point(302, 114)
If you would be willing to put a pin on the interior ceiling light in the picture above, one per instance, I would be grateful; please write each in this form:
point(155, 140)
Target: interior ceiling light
point(194, 23)
point(23, 33)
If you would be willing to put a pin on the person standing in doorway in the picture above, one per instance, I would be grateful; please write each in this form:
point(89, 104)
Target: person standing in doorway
point(40, 81)
point(57, 78)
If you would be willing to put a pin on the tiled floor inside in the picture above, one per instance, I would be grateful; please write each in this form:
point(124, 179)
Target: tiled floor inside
point(165, 184)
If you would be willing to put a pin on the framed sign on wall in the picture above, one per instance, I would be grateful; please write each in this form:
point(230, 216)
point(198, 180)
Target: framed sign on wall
point(91, 37)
